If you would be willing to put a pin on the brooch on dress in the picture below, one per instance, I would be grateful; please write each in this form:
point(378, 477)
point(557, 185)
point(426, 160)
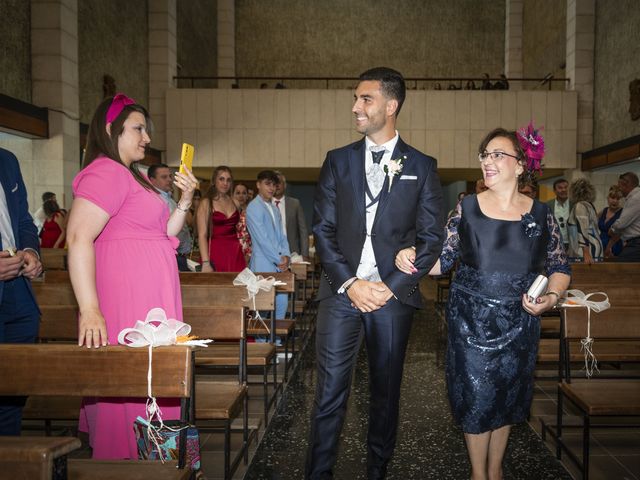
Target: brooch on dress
point(531, 228)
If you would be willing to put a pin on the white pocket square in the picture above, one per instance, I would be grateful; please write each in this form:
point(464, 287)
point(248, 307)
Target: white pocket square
point(14, 189)
point(408, 177)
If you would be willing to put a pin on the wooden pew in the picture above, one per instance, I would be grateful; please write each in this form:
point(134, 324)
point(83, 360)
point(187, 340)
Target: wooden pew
point(616, 334)
point(53, 258)
point(113, 371)
point(29, 458)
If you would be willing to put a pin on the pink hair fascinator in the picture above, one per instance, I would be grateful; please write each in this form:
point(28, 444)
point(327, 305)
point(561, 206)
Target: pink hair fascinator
point(117, 105)
point(533, 145)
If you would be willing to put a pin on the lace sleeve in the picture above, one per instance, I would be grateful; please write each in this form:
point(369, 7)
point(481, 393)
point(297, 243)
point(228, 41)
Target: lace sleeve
point(556, 256)
point(450, 248)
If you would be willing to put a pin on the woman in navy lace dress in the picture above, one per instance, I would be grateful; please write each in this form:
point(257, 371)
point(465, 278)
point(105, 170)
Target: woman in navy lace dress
point(502, 240)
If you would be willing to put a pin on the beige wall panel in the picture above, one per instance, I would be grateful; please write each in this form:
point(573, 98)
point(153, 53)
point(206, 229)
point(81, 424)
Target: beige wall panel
point(204, 114)
point(189, 102)
point(569, 111)
point(219, 109)
point(220, 150)
point(344, 104)
point(300, 146)
point(174, 146)
point(418, 106)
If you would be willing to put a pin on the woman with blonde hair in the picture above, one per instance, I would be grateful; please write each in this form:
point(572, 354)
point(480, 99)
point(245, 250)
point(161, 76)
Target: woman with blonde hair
point(608, 216)
point(584, 237)
point(217, 218)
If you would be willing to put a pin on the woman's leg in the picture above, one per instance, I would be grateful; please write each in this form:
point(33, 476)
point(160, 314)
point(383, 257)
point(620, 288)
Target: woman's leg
point(497, 447)
point(478, 448)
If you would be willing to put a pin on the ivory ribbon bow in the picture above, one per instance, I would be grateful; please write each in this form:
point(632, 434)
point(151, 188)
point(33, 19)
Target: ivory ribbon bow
point(254, 284)
point(156, 330)
point(577, 298)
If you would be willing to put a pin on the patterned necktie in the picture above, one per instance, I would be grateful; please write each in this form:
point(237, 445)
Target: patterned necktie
point(375, 175)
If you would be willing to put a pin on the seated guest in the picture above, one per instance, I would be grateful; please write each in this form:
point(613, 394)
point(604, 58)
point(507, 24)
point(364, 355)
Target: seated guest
point(584, 237)
point(39, 216)
point(270, 247)
point(607, 218)
point(218, 217)
point(54, 228)
point(241, 198)
point(627, 226)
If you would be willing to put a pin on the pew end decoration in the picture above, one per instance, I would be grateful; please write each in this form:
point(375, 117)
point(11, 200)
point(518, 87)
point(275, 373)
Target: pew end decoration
point(578, 299)
point(157, 439)
point(254, 283)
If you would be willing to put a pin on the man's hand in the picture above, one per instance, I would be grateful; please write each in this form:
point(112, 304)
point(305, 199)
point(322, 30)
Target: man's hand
point(368, 296)
point(10, 265)
point(32, 267)
point(284, 263)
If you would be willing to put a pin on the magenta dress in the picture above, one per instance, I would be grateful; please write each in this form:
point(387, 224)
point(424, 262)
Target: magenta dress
point(136, 271)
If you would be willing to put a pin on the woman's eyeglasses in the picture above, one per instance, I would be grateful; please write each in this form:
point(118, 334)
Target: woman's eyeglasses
point(495, 156)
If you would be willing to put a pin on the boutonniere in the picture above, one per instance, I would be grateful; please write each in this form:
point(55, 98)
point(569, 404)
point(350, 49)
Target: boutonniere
point(393, 168)
point(531, 228)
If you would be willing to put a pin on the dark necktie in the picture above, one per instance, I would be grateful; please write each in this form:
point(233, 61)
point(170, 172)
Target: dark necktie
point(377, 156)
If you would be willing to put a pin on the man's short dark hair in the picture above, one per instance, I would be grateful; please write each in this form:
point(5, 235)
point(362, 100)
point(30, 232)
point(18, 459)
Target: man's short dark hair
point(558, 182)
point(391, 83)
point(269, 175)
point(47, 196)
point(151, 173)
point(630, 177)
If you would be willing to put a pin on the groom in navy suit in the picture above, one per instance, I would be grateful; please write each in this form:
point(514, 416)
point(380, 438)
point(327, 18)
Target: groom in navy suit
point(373, 198)
point(19, 263)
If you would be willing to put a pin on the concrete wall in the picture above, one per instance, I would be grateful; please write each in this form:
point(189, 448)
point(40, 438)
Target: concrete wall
point(295, 128)
point(15, 49)
point(197, 39)
point(338, 38)
point(544, 39)
point(112, 39)
point(617, 54)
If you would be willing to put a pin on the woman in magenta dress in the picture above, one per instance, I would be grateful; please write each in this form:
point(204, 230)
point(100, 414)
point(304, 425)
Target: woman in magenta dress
point(54, 229)
point(121, 257)
point(219, 226)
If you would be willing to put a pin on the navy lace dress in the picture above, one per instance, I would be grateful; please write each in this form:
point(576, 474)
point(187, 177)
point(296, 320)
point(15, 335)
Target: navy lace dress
point(492, 341)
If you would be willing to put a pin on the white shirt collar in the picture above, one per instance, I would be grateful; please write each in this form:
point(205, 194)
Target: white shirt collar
point(388, 146)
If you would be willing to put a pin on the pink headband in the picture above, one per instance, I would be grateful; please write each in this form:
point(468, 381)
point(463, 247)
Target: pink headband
point(533, 145)
point(117, 105)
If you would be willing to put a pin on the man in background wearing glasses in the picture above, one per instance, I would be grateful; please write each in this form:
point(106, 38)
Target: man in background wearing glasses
point(561, 207)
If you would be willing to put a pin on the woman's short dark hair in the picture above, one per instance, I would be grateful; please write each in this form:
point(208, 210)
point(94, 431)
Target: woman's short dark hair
point(526, 176)
point(50, 207)
point(100, 143)
point(391, 83)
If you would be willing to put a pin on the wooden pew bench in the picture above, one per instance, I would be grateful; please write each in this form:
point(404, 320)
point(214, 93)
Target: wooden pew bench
point(616, 334)
point(53, 258)
point(113, 371)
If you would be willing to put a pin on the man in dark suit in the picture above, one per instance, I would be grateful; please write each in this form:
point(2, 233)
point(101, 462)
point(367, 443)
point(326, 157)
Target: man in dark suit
point(294, 223)
point(19, 262)
point(373, 198)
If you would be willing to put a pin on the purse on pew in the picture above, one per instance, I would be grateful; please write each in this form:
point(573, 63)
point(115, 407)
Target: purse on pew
point(158, 439)
point(163, 443)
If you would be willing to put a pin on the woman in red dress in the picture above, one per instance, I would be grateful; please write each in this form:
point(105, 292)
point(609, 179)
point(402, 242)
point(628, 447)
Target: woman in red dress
point(218, 217)
point(54, 228)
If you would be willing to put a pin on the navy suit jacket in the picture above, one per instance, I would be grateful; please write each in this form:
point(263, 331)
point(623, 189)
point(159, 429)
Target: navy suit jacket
point(409, 214)
point(24, 230)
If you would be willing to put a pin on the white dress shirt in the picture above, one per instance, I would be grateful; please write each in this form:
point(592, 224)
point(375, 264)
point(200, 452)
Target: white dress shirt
point(6, 231)
point(368, 268)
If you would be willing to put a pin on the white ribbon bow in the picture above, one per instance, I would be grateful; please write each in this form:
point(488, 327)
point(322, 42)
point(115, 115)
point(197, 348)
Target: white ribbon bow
point(577, 298)
point(156, 330)
point(254, 284)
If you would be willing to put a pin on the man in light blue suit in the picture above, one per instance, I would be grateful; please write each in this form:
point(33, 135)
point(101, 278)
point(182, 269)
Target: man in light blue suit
point(270, 249)
point(19, 264)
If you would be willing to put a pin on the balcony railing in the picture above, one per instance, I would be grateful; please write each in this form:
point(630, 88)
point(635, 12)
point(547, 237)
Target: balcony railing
point(413, 83)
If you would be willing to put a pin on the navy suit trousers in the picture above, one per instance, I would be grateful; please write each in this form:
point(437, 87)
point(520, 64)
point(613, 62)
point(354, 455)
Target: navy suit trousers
point(340, 329)
point(19, 320)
